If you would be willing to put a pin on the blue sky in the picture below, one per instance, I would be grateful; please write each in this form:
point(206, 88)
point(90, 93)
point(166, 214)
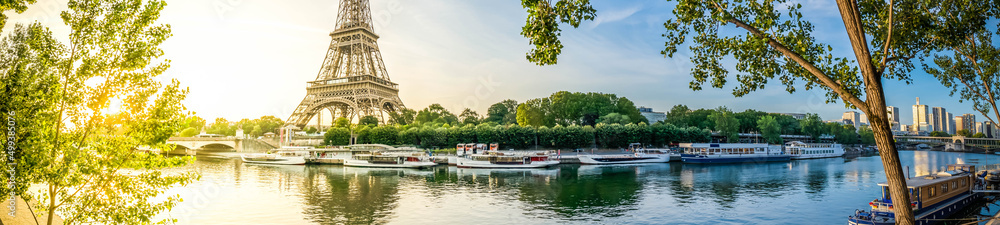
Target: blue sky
point(249, 58)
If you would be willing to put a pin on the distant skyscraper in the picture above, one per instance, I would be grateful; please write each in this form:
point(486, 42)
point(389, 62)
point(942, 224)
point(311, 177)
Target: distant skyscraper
point(921, 119)
point(893, 113)
point(939, 118)
point(969, 123)
point(989, 130)
point(979, 128)
point(951, 124)
point(960, 123)
point(853, 118)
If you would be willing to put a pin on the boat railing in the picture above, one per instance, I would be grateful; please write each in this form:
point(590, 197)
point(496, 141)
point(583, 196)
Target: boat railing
point(881, 206)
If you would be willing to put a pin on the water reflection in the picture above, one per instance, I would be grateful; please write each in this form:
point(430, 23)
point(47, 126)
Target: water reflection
point(824, 190)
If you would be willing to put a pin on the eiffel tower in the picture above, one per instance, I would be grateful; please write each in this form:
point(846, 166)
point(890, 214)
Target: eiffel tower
point(352, 82)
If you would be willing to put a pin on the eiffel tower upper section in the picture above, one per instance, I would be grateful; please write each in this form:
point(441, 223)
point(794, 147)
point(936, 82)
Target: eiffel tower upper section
point(352, 81)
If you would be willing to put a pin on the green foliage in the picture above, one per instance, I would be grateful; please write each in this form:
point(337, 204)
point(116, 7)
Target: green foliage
point(936, 134)
point(613, 118)
point(256, 131)
point(812, 125)
point(435, 113)
point(81, 148)
point(979, 135)
point(311, 130)
point(867, 136)
point(678, 115)
point(844, 134)
point(409, 136)
point(337, 136)
point(542, 27)
point(611, 135)
point(387, 135)
point(342, 122)
point(368, 121)
point(726, 124)
point(575, 108)
point(189, 132)
point(963, 133)
point(28, 74)
point(503, 112)
point(469, 117)
point(402, 117)
point(748, 120)
point(770, 129)
point(18, 6)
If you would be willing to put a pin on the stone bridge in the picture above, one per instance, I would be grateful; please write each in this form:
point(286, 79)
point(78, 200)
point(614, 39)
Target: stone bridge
point(192, 145)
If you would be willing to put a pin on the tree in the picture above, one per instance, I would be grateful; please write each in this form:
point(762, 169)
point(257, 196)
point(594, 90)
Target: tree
point(866, 135)
point(18, 6)
point(971, 70)
point(404, 116)
point(764, 31)
point(963, 133)
point(221, 126)
point(87, 166)
point(387, 135)
point(188, 132)
point(614, 118)
point(368, 121)
point(812, 126)
point(503, 112)
point(726, 124)
point(342, 122)
point(469, 117)
point(678, 115)
point(28, 72)
point(337, 136)
point(256, 131)
point(435, 113)
point(979, 135)
point(748, 120)
point(770, 129)
point(311, 130)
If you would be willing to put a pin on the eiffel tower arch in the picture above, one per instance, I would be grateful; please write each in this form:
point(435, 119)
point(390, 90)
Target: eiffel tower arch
point(352, 81)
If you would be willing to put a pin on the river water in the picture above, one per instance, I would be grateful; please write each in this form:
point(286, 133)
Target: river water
point(817, 191)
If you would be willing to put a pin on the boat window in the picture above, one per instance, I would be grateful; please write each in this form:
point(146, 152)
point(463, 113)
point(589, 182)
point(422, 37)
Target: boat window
point(963, 182)
point(954, 185)
point(944, 188)
point(932, 192)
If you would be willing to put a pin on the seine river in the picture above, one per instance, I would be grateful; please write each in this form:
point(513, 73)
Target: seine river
point(818, 191)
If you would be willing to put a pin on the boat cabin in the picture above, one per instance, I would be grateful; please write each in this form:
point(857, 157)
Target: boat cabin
point(931, 190)
point(801, 148)
point(729, 148)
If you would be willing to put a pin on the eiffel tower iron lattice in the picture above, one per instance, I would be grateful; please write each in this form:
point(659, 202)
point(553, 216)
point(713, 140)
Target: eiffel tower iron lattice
point(352, 82)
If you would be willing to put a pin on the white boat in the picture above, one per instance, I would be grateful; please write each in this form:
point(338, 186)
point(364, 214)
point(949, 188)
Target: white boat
point(390, 160)
point(639, 155)
point(800, 150)
point(493, 158)
point(283, 156)
point(338, 154)
point(732, 153)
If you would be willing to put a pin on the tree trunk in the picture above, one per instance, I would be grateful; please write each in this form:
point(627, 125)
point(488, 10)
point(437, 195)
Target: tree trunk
point(874, 108)
point(898, 191)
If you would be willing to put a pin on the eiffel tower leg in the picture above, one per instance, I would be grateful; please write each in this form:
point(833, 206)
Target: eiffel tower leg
point(300, 117)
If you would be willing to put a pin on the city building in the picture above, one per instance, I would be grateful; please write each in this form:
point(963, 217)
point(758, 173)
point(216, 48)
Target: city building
point(904, 128)
point(939, 118)
point(959, 123)
point(921, 117)
point(969, 123)
point(893, 113)
point(979, 128)
point(951, 124)
point(854, 118)
point(651, 116)
point(989, 129)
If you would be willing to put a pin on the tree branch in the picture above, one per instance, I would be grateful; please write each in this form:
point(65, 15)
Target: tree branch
point(826, 80)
